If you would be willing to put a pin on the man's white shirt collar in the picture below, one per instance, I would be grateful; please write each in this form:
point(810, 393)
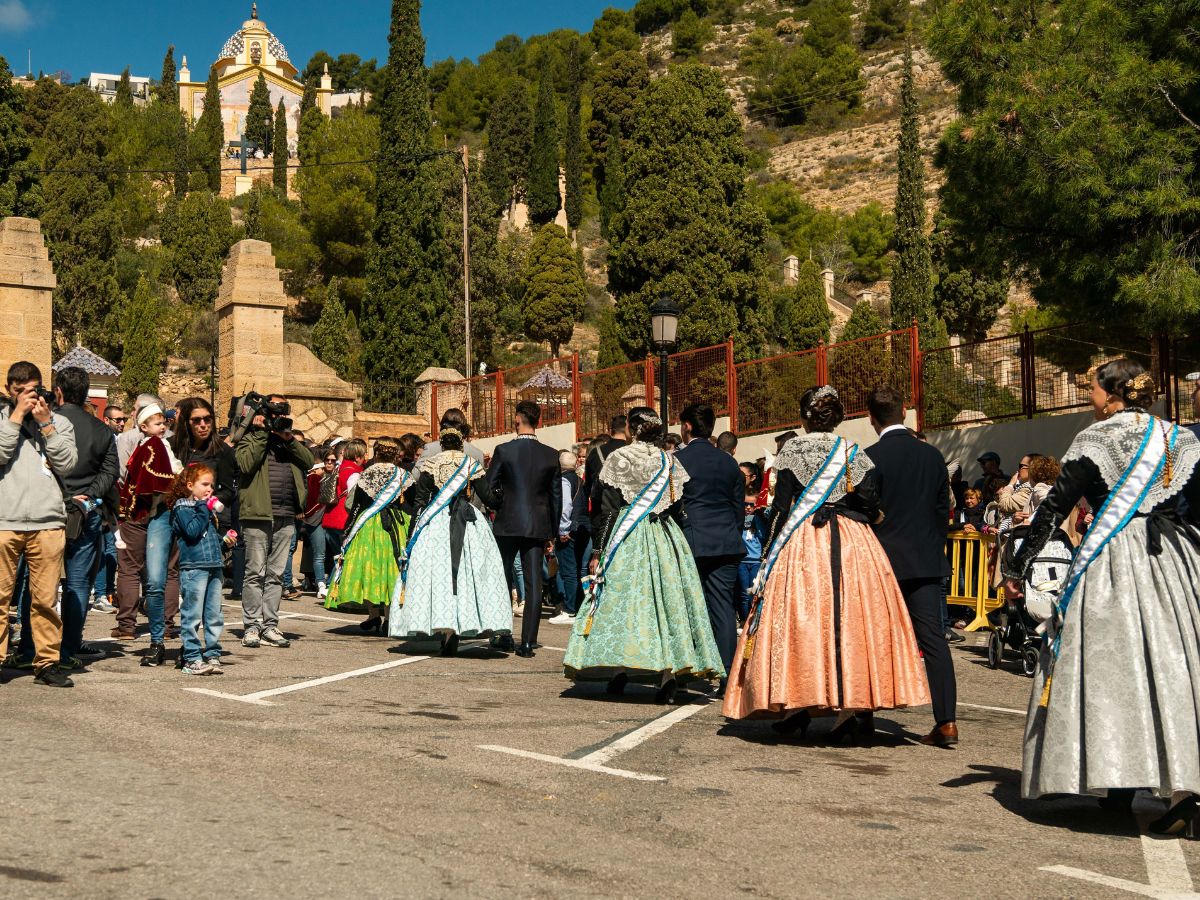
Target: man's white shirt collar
point(891, 428)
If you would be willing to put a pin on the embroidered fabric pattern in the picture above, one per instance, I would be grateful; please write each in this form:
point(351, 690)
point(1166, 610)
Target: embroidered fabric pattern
point(375, 478)
point(443, 466)
point(1112, 443)
point(804, 456)
point(629, 469)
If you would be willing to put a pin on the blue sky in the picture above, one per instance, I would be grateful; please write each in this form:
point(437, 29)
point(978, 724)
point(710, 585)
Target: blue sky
point(85, 36)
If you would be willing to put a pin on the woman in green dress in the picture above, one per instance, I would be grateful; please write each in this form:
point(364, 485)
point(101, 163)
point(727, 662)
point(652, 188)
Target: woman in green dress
point(644, 618)
point(376, 533)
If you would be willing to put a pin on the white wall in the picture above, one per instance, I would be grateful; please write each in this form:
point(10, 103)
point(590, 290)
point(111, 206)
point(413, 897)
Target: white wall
point(560, 437)
point(1048, 435)
point(753, 448)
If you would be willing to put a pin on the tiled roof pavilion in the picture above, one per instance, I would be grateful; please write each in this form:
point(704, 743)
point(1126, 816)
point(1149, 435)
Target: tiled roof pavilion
point(85, 359)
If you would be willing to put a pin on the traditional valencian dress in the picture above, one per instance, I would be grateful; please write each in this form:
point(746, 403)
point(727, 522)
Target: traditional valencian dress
point(1116, 703)
point(829, 630)
point(374, 541)
point(645, 614)
point(452, 581)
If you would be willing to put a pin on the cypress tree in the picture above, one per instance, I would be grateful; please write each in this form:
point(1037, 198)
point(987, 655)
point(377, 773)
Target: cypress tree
point(168, 90)
point(612, 191)
point(405, 311)
point(912, 281)
point(181, 155)
point(311, 119)
point(124, 97)
point(331, 336)
point(308, 100)
point(279, 151)
point(573, 151)
point(209, 136)
point(509, 133)
point(141, 357)
point(555, 296)
point(259, 116)
point(542, 182)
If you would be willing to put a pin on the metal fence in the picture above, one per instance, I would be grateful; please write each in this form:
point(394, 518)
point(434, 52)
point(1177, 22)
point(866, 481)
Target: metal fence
point(490, 401)
point(386, 397)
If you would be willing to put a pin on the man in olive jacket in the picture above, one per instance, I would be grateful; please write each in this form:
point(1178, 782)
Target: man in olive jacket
point(271, 492)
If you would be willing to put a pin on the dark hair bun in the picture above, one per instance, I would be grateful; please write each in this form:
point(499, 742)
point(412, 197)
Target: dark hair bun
point(647, 426)
point(1128, 380)
point(822, 409)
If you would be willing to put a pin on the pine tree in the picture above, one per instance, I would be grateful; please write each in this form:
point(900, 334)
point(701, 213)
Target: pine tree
point(142, 349)
point(689, 35)
point(168, 90)
point(884, 20)
point(260, 116)
point(802, 316)
point(182, 169)
point(124, 98)
point(279, 151)
point(541, 190)
point(20, 194)
point(509, 137)
point(688, 229)
point(197, 233)
point(405, 311)
point(555, 297)
point(612, 191)
point(912, 279)
point(208, 138)
point(573, 151)
point(331, 338)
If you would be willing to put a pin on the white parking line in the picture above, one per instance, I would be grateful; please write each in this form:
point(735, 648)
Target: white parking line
point(1003, 709)
point(595, 761)
point(290, 615)
point(258, 697)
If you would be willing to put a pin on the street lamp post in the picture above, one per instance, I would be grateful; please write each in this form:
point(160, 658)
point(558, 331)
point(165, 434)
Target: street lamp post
point(664, 322)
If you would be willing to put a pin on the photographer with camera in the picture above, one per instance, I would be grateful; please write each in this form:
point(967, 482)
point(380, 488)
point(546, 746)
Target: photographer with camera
point(37, 450)
point(272, 488)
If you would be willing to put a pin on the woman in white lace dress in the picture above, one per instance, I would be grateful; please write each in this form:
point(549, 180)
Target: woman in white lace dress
point(1116, 703)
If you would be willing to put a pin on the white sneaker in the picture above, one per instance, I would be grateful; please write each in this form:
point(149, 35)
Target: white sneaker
point(322, 590)
point(273, 638)
point(563, 618)
point(197, 667)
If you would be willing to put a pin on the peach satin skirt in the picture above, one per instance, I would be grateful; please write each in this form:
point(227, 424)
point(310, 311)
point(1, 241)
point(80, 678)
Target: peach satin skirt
point(794, 661)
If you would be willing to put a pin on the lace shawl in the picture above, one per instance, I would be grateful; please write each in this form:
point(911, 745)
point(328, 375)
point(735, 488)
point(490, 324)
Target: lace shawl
point(803, 457)
point(442, 466)
point(1111, 445)
point(375, 478)
point(629, 469)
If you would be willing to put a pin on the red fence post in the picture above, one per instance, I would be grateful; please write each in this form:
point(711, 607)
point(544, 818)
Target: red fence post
point(576, 395)
point(434, 418)
point(649, 383)
point(731, 387)
point(822, 364)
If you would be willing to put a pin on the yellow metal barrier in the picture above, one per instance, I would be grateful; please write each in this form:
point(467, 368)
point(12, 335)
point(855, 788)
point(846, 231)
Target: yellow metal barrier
point(970, 575)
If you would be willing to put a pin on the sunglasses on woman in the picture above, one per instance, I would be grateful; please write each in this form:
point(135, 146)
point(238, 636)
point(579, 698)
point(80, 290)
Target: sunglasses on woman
point(201, 420)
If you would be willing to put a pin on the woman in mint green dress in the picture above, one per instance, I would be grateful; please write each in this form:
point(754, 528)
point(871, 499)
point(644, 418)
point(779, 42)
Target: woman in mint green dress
point(644, 619)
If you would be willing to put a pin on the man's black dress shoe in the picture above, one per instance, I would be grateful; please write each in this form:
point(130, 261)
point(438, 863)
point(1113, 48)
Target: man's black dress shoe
point(503, 642)
point(525, 650)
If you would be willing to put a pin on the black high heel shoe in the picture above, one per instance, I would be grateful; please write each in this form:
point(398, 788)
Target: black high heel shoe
point(866, 726)
point(450, 646)
point(616, 684)
point(1179, 818)
point(1118, 800)
point(793, 723)
point(846, 730)
point(375, 624)
point(666, 693)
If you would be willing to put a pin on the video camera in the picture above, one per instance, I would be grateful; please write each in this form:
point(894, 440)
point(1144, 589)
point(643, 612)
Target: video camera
point(244, 410)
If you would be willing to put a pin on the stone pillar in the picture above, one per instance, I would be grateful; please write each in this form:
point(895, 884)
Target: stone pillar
point(27, 285)
point(325, 93)
point(250, 309)
point(827, 279)
point(791, 270)
point(866, 295)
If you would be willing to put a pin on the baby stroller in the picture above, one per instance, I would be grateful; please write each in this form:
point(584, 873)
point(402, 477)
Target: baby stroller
point(1014, 625)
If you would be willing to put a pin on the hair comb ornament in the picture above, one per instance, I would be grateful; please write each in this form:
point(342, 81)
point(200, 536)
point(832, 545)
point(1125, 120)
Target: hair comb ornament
point(826, 390)
point(452, 431)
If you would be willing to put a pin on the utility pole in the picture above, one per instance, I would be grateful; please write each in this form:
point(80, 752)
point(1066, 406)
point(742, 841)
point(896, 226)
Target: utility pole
point(466, 164)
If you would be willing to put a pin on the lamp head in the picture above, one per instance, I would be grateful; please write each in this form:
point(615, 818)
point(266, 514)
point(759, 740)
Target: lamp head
point(664, 321)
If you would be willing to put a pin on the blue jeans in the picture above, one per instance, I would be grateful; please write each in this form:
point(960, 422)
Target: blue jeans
point(747, 572)
point(518, 577)
point(573, 558)
point(287, 569)
point(79, 560)
point(200, 608)
point(158, 555)
point(106, 574)
point(315, 536)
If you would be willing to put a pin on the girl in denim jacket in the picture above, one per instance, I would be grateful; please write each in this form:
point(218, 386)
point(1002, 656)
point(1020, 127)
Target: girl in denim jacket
point(194, 511)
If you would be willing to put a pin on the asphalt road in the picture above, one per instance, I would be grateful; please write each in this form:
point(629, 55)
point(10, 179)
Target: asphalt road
point(388, 784)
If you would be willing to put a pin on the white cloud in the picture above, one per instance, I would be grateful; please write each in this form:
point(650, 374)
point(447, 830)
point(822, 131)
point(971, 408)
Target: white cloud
point(14, 16)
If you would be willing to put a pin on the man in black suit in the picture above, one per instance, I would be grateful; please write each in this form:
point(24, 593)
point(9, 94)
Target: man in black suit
point(618, 436)
point(915, 497)
point(525, 473)
point(712, 521)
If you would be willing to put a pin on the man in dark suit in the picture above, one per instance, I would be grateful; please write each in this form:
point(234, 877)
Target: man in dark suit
point(525, 473)
point(915, 497)
point(618, 436)
point(712, 521)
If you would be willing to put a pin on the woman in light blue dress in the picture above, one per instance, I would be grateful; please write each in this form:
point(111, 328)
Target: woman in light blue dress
point(451, 582)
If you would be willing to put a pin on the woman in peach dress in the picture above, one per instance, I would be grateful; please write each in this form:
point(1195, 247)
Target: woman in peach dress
point(829, 633)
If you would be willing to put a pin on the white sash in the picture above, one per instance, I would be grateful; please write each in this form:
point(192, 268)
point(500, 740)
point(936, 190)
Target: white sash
point(396, 485)
point(451, 489)
point(813, 498)
point(1122, 504)
point(631, 517)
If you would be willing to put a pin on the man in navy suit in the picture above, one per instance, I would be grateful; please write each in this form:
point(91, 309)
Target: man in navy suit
point(915, 498)
point(525, 473)
point(712, 521)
